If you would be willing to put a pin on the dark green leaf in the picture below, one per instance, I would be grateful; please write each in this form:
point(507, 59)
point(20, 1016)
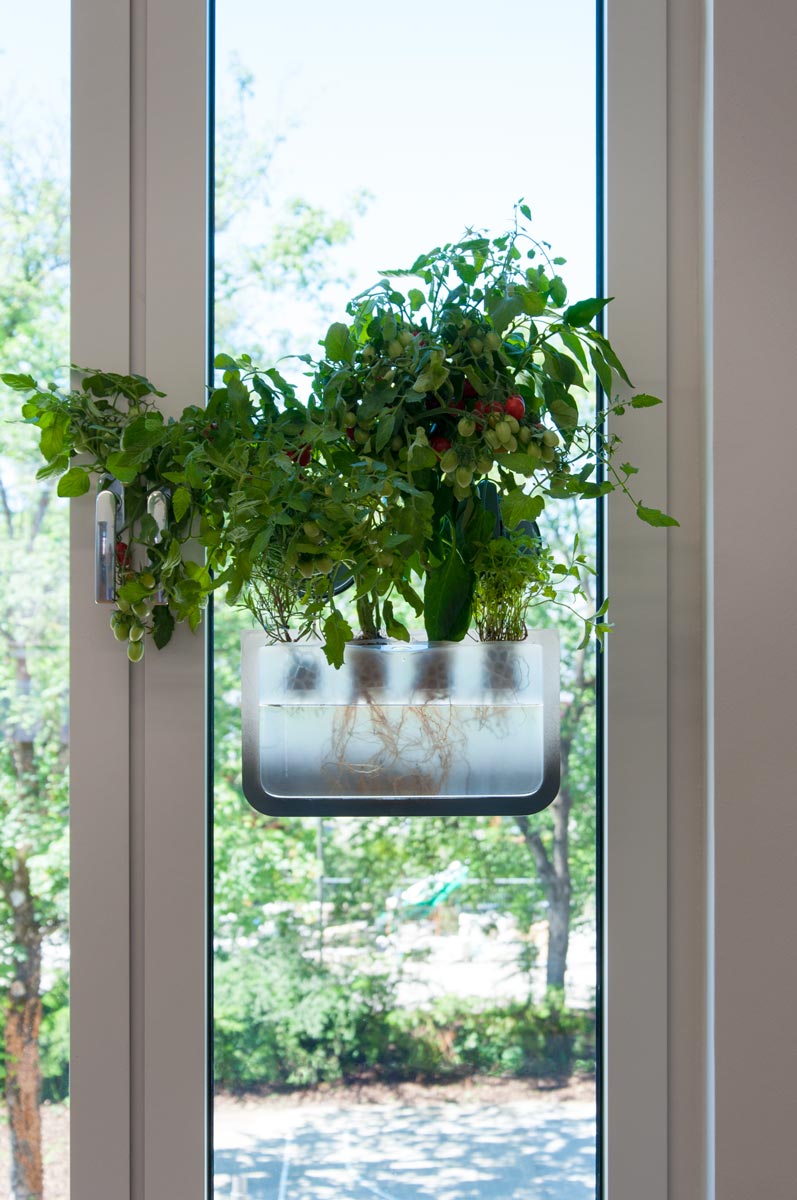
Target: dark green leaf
point(163, 625)
point(585, 311)
point(337, 632)
point(602, 369)
point(448, 598)
point(124, 465)
point(384, 431)
point(407, 591)
point(393, 627)
point(644, 401)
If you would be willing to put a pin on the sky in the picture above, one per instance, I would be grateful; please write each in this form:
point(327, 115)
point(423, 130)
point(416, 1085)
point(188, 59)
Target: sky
point(444, 113)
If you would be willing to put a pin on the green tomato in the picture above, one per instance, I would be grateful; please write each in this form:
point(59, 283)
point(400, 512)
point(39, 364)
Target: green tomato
point(135, 651)
point(312, 530)
point(395, 348)
point(524, 435)
point(137, 633)
point(350, 419)
point(141, 610)
point(550, 438)
point(449, 461)
point(396, 443)
point(512, 422)
point(503, 432)
point(466, 428)
point(476, 345)
point(121, 630)
point(464, 476)
point(147, 580)
point(484, 465)
point(405, 337)
point(492, 341)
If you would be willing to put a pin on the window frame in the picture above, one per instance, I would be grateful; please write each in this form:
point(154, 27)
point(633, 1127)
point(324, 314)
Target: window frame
point(140, 279)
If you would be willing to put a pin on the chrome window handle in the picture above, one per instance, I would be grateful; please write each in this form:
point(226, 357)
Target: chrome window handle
point(158, 509)
point(108, 521)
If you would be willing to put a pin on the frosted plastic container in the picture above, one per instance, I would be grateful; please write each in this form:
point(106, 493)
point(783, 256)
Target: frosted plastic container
point(401, 727)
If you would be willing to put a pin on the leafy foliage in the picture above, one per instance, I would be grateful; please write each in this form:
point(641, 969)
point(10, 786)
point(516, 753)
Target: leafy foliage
point(282, 1020)
point(437, 423)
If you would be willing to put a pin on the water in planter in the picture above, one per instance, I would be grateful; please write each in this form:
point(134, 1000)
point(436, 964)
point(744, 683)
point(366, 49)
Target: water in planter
point(373, 749)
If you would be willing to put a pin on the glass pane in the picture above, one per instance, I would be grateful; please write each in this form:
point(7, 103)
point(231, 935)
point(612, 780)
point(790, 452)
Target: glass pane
point(403, 1007)
point(34, 539)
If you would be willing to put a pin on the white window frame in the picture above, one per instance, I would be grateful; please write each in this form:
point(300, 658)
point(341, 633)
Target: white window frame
point(139, 277)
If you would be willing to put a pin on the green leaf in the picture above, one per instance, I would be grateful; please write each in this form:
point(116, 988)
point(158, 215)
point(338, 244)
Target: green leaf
point(520, 463)
point(53, 438)
point(602, 369)
point(564, 411)
point(124, 465)
point(503, 312)
point(430, 379)
point(654, 516)
point(408, 593)
point(393, 627)
point(519, 506)
point(628, 469)
point(76, 482)
point(585, 311)
point(573, 343)
point(384, 431)
point(223, 362)
point(20, 383)
point(133, 591)
point(181, 502)
point(644, 401)
point(609, 354)
point(337, 343)
point(448, 599)
point(416, 298)
point(163, 625)
point(337, 632)
point(558, 291)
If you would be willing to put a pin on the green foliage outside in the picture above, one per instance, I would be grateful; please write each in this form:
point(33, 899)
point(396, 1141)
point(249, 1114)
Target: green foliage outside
point(283, 1021)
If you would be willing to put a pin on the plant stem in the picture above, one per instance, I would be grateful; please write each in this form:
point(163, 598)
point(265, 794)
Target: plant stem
point(368, 616)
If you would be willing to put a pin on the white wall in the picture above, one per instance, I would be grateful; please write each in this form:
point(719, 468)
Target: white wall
point(754, 282)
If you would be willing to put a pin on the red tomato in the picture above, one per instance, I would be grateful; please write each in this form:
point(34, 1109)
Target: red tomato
point(515, 406)
point(349, 434)
point(303, 456)
point(121, 553)
point(468, 390)
point(439, 444)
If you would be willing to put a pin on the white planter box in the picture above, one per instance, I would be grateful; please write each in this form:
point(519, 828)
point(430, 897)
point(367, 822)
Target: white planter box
point(401, 728)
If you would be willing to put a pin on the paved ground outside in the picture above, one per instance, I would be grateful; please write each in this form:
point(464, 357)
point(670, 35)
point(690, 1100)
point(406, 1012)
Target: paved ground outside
point(521, 1150)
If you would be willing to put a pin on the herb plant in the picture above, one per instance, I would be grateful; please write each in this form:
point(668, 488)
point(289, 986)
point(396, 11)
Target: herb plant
point(415, 462)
